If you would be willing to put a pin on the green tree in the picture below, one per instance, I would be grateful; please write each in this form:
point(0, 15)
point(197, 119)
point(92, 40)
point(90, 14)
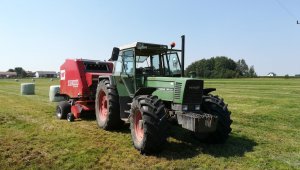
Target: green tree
point(221, 67)
point(286, 76)
point(242, 68)
point(215, 67)
point(20, 72)
point(252, 72)
point(224, 67)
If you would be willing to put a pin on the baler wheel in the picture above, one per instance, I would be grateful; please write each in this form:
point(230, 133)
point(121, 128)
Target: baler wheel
point(216, 106)
point(70, 117)
point(62, 109)
point(148, 124)
point(107, 106)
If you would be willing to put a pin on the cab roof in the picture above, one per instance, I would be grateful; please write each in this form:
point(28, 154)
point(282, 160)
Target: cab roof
point(142, 45)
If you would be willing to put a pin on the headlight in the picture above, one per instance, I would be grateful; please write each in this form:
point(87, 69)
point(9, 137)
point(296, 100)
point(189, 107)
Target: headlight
point(197, 107)
point(184, 107)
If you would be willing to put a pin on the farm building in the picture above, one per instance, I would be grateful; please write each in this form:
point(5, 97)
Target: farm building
point(271, 74)
point(30, 74)
point(8, 74)
point(47, 74)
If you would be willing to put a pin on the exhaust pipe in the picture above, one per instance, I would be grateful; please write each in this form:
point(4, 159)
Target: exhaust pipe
point(182, 54)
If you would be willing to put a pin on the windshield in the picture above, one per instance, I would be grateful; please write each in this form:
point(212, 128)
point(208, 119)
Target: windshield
point(173, 63)
point(164, 64)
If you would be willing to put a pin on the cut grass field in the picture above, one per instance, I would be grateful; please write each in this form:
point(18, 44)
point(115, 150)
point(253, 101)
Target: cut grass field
point(265, 135)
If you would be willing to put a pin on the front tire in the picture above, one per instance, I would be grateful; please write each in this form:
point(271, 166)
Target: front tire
point(215, 106)
point(148, 124)
point(107, 106)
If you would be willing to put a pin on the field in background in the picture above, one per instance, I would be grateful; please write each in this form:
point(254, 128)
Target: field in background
point(266, 123)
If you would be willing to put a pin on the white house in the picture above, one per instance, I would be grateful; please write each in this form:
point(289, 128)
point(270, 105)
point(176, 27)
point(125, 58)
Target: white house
point(47, 74)
point(271, 74)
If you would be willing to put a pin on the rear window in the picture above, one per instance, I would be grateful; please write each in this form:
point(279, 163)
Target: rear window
point(95, 67)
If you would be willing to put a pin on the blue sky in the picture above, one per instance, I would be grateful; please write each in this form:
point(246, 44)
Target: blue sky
point(40, 35)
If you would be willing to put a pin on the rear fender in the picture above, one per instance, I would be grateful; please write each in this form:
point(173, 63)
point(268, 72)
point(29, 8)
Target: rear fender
point(208, 90)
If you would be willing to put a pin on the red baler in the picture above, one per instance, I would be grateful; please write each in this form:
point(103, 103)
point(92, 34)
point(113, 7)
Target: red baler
point(78, 84)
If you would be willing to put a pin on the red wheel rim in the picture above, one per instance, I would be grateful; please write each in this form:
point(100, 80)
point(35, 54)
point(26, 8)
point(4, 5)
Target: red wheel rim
point(138, 126)
point(103, 105)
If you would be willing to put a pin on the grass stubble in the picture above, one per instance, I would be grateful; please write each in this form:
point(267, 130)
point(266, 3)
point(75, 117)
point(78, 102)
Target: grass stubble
point(266, 123)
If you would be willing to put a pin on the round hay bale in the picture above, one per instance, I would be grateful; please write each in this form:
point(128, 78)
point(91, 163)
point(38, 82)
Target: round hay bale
point(27, 88)
point(54, 90)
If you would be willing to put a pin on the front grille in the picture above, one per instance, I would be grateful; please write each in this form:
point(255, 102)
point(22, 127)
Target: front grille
point(177, 90)
point(193, 91)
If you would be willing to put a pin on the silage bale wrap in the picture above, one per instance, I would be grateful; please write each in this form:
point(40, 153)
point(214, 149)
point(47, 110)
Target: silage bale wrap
point(52, 92)
point(27, 88)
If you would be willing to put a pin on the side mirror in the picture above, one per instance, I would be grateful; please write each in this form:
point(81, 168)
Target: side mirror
point(115, 54)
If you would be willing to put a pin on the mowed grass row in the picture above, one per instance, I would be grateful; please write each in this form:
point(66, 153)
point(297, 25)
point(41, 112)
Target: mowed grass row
point(266, 115)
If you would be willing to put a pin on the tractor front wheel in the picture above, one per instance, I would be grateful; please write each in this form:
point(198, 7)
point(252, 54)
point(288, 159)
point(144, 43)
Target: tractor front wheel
point(107, 106)
point(148, 124)
point(215, 106)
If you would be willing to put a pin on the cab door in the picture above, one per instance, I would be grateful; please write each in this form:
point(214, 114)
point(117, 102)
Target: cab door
point(124, 73)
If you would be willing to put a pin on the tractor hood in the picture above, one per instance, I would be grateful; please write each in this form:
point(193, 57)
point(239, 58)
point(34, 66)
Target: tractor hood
point(177, 89)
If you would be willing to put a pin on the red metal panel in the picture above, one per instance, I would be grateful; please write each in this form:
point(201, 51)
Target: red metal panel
point(70, 79)
point(75, 82)
point(80, 85)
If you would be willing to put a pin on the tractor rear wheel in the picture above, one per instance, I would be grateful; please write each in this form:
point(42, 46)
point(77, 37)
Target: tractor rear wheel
point(148, 124)
point(62, 109)
point(107, 106)
point(215, 106)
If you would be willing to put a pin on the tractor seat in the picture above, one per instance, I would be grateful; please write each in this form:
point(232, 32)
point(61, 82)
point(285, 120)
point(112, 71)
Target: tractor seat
point(148, 70)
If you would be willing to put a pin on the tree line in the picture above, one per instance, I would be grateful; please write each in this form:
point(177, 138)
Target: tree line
point(221, 67)
point(20, 71)
point(215, 67)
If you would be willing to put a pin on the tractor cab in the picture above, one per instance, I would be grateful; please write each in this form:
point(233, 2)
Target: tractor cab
point(138, 61)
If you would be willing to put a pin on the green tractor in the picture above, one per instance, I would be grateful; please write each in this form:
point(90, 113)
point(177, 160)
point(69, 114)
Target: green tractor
point(148, 89)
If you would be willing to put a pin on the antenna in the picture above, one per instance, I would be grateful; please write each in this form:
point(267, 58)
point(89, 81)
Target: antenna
point(287, 10)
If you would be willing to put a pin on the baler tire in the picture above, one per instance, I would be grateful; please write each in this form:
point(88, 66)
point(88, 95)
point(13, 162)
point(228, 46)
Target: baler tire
point(62, 109)
point(216, 106)
point(109, 120)
point(70, 117)
point(148, 124)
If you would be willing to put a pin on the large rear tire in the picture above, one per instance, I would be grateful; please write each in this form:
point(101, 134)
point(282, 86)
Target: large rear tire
point(107, 106)
point(148, 124)
point(62, 109)
point(216, 106)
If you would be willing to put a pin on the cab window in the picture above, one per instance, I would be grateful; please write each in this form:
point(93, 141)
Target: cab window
point(128, 62)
